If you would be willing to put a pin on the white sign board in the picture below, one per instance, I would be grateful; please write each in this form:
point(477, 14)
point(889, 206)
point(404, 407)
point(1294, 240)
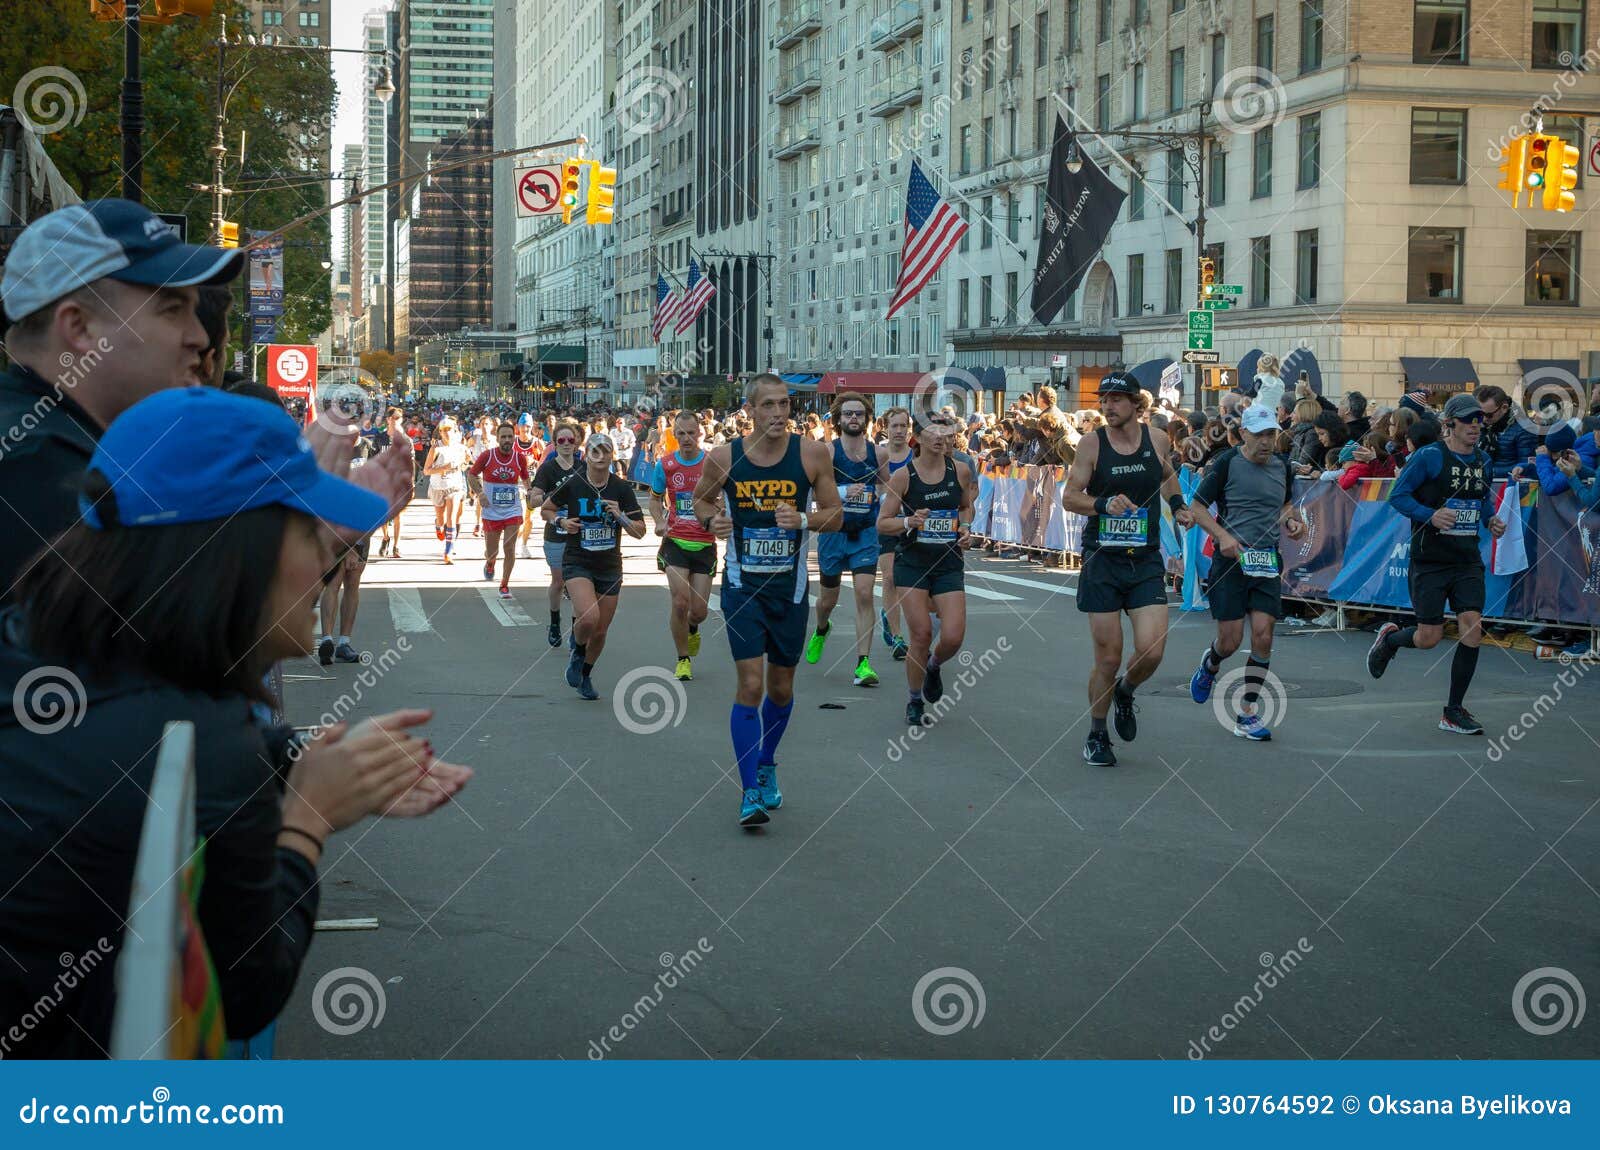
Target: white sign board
point(538, 190)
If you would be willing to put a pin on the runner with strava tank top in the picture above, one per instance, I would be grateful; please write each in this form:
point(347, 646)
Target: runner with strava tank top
point(688, 552)
point(766, 478)
point(860, 472)
point(1116, 480)
point(501, 472)
point(896, 424)
point(929, 505)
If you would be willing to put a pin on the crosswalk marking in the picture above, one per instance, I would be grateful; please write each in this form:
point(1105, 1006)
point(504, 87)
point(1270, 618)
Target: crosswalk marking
point(998, 596)
point(405, 605)
point(1036, 584)
point(508, 612)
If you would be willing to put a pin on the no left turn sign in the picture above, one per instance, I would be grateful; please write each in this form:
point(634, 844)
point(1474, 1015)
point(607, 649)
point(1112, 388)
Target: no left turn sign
point(538, 191)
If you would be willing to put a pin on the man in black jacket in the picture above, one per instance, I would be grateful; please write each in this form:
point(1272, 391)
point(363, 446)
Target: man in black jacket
point(1353, 410)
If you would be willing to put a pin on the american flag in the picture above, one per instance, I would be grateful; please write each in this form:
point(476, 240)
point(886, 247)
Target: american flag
point(696, 295)
point(932, 230)
point(666, 307)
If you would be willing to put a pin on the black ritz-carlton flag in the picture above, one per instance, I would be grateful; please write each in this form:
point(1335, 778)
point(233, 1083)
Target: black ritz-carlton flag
point(1079, 209)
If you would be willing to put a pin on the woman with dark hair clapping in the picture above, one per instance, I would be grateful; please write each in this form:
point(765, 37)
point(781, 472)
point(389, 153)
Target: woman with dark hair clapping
point(193, 569)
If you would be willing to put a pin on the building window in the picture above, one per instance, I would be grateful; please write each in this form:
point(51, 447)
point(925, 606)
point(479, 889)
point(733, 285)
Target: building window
point(1175, 80)
point(1136, 198)
point(1439, 32)
point(966, 148)
point(1219, 174)
point(1011, 132)
point(1041, 123)
point(988, 63)
point(966, 11)
point(966, 236)
point(1174, 297)
point(1433, 265)
point(1011, 297)
point(1178, 6)
point(1102, 103)
point(1557, 33)
point(1308, 172)
point(988, 223)
point(1141, 11)
point(961, 303)
point(1013, 217)
point(1265, 47)
point(1438, 146)
point(1175, 178)
point(1041, 39)
point(1552, 269)
point(1261, 271)
point(1138, 91)
point(988, 142)
point(1014, 52)
point(986, 301)
point(1103, 24)
point(1261, 164)
point(1305, 266)
point(1074, 25)
point(1219, 62)
point(1310, 35)
point(1135, 286)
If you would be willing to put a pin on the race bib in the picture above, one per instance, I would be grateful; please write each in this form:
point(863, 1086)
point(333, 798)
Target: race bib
point(1130, 530)
point(939, 528)
point(768, 550)
point(1259, 562)
point(503, 497)
point(861, 505)
point(599, 537)
point(1467, 511)
point(683, 505)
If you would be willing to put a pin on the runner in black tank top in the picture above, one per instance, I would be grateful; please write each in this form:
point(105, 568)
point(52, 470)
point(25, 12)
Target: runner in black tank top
point(766, 478)
point(1118, 479)
point(896, 453)
point(929, 505)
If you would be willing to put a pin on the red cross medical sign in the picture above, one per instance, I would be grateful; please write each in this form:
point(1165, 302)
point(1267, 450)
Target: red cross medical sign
point(538, 191)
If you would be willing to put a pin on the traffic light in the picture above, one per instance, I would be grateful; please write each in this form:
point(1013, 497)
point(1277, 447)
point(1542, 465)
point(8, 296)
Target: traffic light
point(569, 188)
point(1515, 168)
point(230, 235)
point(159, 12)
point(1208, 276)
point(1561, 176)
point(602, 194)
point(1538, 166)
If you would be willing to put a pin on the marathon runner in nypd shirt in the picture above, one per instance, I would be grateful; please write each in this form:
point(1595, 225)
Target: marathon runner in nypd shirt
point(1253, 490)
point(1444, 490)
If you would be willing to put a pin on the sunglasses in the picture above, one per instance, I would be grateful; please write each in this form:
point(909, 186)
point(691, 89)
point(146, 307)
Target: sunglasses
point(560, 439)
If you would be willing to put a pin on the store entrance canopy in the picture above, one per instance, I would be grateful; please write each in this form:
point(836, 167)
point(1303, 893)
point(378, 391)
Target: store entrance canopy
point(1443, 373)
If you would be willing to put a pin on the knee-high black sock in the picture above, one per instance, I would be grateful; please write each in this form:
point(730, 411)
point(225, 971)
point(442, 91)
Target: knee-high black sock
point(1461, 669)
point(1213, 660)
point(1405, 637)
point(1255, 674)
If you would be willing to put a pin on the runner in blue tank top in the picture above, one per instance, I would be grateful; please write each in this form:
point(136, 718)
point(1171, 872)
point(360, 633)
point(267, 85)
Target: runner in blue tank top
point(896, 450)
point(861, 473)
point(767, 478)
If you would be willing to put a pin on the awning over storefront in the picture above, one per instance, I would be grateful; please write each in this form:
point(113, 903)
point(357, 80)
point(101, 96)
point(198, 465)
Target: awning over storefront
point(1302, 359)
point(1149, 372)
point(1547, 371)
point(1443, 373)
point(992, 378)
point(800, 380)
point(871, 382)
point(560, 353)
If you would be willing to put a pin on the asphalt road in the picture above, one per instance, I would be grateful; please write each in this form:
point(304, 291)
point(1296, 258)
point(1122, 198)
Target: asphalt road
point(1362, 886)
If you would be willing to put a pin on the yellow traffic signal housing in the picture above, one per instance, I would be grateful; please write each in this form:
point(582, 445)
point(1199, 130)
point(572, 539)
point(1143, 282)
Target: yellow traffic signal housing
point(602, 195)
point(230, 234)
point(1514, 170)
point(569, 188)
point(159, 12)
point(1562, 176)
point(1538, 166)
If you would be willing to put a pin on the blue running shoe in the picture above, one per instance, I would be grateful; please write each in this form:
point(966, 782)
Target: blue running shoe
point(586, 689)
point(751, 811)
point(572, 638)
point(767, 784)
point(1249, 727)
point(575, 669)
point(888, 635)
point(1200, 685)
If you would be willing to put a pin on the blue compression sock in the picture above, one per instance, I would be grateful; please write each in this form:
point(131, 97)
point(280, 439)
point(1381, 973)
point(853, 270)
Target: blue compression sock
point(744, 724)
point(774, 721)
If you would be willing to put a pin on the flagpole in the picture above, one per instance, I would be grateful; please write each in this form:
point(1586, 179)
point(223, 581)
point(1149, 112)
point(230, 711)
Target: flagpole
point(950, 189)
point(1133, 172)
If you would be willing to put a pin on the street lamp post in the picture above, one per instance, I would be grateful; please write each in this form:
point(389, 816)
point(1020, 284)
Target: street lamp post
point(132, 107)
point(764, 261)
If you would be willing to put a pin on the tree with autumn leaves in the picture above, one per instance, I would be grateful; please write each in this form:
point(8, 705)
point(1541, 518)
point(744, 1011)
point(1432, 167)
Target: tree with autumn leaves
point(273, 93)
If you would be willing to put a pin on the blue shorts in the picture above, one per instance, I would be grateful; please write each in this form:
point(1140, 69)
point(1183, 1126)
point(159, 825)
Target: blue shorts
point(838, 553)
point(767, 624)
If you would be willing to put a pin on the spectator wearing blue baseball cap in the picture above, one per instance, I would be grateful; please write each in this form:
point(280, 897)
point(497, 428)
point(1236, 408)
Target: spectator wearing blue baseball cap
point(192, 569)
point(99, 306)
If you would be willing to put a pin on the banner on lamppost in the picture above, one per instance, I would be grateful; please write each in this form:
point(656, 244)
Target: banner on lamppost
point(266, 277)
